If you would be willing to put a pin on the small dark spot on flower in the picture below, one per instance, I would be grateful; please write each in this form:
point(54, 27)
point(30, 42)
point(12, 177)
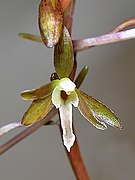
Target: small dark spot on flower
point(64, 95)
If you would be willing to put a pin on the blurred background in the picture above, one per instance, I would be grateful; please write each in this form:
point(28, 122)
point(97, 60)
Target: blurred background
point(25, 65)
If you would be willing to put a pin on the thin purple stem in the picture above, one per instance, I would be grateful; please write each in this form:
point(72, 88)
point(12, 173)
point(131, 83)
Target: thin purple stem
point(80, 45)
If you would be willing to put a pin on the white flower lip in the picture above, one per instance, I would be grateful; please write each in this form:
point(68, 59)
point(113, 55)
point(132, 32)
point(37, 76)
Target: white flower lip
point(65, 108)
point(66, 124)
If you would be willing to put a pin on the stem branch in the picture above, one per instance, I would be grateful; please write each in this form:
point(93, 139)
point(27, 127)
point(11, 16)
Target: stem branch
point(82, 44)
point(27, 132)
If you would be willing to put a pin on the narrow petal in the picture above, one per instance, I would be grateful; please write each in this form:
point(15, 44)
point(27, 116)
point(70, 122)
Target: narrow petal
point(63, 55)
point(56, 97)
point(40, 92)
point(100, 111)
point(9, 127)
point(37, 111)
point(81, 76)
point(66, 124)
point(85, 111)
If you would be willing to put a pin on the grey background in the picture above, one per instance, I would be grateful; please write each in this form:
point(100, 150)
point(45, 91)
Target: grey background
point(25, 65)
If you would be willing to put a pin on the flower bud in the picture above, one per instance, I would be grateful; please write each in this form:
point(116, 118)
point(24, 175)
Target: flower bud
point(50, 21)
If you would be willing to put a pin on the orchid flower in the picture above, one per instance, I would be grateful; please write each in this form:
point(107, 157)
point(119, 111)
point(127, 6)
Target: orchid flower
point(63, 94)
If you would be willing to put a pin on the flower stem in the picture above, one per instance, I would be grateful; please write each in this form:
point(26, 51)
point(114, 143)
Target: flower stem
point(75, 159)
point(114, 36)
point(83, 44)
point(74, 155)
point(128, 23)
point(27, 132)
point(76, 162)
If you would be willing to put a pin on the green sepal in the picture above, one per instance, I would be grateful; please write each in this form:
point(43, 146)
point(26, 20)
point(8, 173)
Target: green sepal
point(63, 55)
point(81, 76)
point(40, 92)
point(100, 111)
point(85, 111)
point(50, 21)
point(31, 37)
point(37, 111)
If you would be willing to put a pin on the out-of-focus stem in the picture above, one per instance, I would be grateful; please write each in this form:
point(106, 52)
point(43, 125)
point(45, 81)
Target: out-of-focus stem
point(27, 132)
point(124, 25)
point(111, 37)
point(82, 44)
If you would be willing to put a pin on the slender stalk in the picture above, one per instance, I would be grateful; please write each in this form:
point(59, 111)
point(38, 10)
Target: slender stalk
point(113, 36)
point(124, 25)
point(82, 44)
point(76, 162)
point(74, 155)
point(27, 132)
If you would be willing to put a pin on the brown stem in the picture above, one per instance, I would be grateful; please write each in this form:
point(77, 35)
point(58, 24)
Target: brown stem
point(77, 162)
point(74, 155)
point(27, 132)
point(68, 16)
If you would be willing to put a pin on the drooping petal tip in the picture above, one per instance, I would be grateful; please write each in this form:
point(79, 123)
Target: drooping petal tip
point(9, 127)
point(68, 142)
